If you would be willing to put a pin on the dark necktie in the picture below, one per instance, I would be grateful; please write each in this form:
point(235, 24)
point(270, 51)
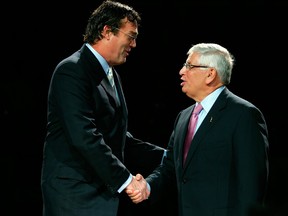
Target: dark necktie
point(191, 129)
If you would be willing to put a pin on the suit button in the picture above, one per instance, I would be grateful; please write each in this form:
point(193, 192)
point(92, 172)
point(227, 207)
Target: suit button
point(184, 181)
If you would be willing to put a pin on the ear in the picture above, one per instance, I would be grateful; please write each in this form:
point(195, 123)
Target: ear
point(211, 75)
point(106, 31)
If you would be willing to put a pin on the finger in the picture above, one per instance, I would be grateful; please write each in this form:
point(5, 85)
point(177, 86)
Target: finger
point(129, 191)
point(133, 193)
point(137, 199)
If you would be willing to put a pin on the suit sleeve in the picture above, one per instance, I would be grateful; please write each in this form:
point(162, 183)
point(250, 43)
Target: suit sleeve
point(142, 157)
point(251, 158)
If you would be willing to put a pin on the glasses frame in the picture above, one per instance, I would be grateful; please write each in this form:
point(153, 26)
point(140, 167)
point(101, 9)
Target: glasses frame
point(191, 66)
point(131, 37)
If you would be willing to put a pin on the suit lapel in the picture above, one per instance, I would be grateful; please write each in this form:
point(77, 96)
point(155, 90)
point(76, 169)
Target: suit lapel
point(183, 125)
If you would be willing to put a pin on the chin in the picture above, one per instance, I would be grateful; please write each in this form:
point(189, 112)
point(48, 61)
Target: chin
point(124, 60)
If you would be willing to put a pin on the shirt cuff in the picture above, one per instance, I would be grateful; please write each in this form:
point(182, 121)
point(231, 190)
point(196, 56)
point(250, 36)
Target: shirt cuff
point(125, 184)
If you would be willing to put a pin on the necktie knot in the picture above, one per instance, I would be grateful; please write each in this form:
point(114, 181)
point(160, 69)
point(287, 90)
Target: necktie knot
point(197, 109)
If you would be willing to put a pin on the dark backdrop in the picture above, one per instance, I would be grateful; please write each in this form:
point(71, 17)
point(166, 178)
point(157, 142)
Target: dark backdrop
point(37, 36)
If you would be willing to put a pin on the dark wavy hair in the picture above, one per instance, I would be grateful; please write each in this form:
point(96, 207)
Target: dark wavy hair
point(109, 13)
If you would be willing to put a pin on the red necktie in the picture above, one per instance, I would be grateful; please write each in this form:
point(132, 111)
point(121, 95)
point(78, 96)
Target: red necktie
point(191, 129)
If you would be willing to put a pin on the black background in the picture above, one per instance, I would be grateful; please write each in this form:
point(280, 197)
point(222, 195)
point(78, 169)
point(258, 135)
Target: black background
point(37, 36)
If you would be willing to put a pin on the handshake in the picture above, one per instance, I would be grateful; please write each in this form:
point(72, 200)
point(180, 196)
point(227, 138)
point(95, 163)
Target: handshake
point(137, 190)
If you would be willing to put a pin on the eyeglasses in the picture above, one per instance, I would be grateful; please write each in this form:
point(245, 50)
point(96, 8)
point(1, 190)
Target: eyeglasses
point(130, 37)
point(190, 66)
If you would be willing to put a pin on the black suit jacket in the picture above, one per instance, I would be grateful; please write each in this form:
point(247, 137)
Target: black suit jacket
point(83, 161)
point(227, 165)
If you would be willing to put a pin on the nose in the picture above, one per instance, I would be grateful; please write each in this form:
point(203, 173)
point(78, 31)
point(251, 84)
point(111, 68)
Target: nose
point(182, 71)
point(133, 43)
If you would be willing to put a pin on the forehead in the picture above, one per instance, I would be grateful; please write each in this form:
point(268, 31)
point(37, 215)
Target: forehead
point(192, 57)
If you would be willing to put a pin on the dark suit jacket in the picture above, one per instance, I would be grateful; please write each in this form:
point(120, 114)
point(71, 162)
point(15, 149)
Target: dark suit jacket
point(227, 166)
point(83, 161)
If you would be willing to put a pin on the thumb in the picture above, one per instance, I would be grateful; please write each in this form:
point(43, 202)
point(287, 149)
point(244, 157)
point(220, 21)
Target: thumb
point(139, 177)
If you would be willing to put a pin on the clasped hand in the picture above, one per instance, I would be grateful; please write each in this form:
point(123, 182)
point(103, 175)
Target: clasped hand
point(137, 190)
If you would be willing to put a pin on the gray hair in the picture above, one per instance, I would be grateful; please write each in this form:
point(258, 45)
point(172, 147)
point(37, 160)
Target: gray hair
point(215, 56)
